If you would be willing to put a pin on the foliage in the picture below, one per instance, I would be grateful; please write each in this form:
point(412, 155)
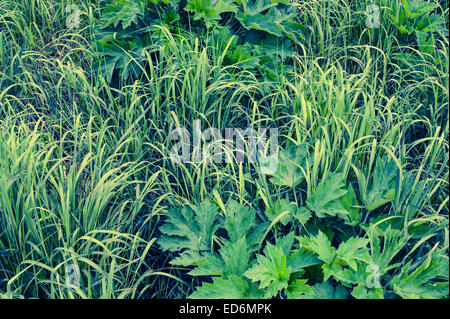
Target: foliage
point(354, 203)
point(131, 28)
point(238, 270)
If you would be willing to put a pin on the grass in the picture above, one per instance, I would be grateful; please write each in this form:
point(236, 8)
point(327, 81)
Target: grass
point(85, 174)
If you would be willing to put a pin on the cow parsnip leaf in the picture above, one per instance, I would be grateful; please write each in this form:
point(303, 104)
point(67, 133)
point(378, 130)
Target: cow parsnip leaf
point(233, 259)
point(326, 199)
point(415, 8)
point(286, 242)
point(187, 258)
point(236, 257)
point(382, 252)
point(209, 10)
point(352, 250)
point(239, 219)
point(348, 276)
point(325, 290)
point(300, 259)
point(350, 204)
point(257, 7)
point(233, 287)
point(362, 292)
point(290, 161)
point(271, 271)
point(125, 12)
point(330, 270)
point(186, 229)
point(321, 245)
point(382, 189)
point(302, 214)
point(282, 206)
point(208, 266)
point(361, 277)
point(271, 22)
point(428, 281)
point(298, 289)
point(119, 55)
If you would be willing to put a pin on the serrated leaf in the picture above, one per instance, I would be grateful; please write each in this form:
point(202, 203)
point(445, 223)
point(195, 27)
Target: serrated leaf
point(209, 10)
point(257, 7)
point(298, 289)
point(422, 282)
point(121, 55)
point(382, 189)
point(326, 199)
point(208, 266)
point(270, 271)
point(187, 258)
point(326, 291)
point(123, 12)
point(186, 229)
point(300, 259)
point(232, 288)
point(383, 252)
point(281, 206)
point(286, 242)
point(416, 8)
point(362, 292)
point(353, 249)
point(302, 214)
point(290, 161)
point(271, 22)
point(236, 257)
point(350, 203)
point(321, 245)
point(239, 220)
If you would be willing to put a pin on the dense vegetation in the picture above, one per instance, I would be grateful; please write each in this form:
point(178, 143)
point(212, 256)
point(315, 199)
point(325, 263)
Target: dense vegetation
point(356, 205)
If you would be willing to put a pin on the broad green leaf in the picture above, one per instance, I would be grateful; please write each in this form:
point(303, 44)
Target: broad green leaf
point(236, 257)
point(282, 206)
point(186, 229)
point(320, 245)
point(326, 199)
point(350, 203)
point(298, 289)
point(124, 56)
point(290, 161)
point(270, 270)
point(352, 250)
point(232, 288)
point(302, 214)
point(415, 8)
point(187, 258)
point(424, 282)
point(362, 292)
point(286, 242)
point(209, 10)
point(300, 259)
point(326, 291)
point(239, 220)
point(382, 189)
point(383, 252)
point(271, 22)
point(208, 266)
point(125, 12)
point(256, 7)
